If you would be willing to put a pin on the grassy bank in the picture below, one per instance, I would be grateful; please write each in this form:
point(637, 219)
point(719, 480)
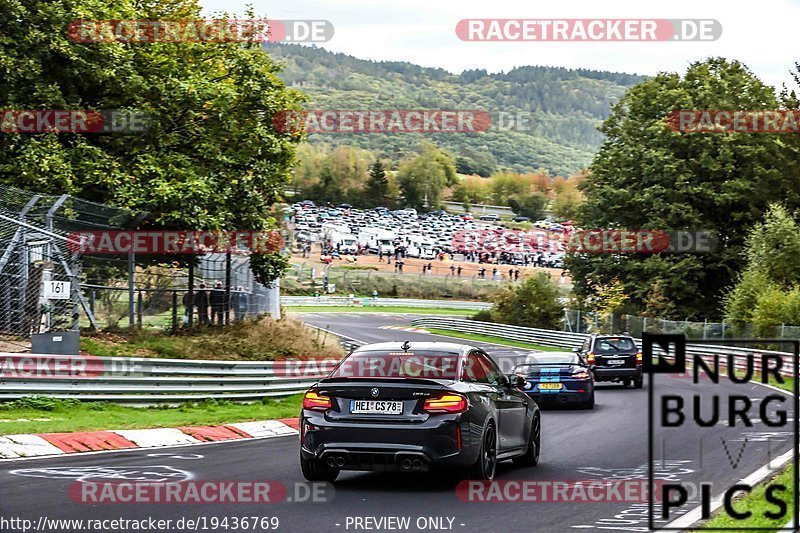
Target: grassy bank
point(46, 415)
point(494, 340)
point(260, 340)
point(756, 504)
point(379, 309)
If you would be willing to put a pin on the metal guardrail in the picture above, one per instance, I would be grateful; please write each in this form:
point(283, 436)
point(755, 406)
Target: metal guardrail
point(147, 380)
point(546, 337)
point(568, 341)
point(302, 301)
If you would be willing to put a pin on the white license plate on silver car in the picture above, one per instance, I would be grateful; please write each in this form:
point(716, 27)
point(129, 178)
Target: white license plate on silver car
point(376, 407)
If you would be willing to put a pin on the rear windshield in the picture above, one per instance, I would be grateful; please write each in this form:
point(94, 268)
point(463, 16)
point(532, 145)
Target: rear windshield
point(381, 364)
point(613, 345)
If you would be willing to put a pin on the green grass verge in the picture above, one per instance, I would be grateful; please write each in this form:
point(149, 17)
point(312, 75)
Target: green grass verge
point(494, 340)
point(250, 340)
point(378, 309)
point(47, 415)
point(756, 504)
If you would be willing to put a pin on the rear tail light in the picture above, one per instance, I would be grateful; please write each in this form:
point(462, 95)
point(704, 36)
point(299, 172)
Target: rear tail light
point(316, 402)
point(446, 403)
point(590, 358)
point(580, 374)
point(638, 358)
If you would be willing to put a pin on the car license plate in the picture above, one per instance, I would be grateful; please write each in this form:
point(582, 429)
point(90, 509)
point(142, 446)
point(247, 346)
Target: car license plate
point(616, 362)
point(549, 386)
point(376, 407)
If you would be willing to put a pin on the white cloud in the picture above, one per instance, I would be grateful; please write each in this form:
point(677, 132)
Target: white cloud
point(423, 32)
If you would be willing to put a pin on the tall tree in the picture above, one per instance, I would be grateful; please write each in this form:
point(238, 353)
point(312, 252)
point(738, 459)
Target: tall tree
point(647, 176)
point(376, 191)
point(772, 249)
point(423, 177)
point(210, 157)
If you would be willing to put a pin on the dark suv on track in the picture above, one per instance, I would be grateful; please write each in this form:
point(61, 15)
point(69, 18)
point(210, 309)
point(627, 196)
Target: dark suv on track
point(613, 358)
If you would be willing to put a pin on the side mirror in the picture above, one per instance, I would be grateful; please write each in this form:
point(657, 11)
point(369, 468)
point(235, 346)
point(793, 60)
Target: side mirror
point(515, 380)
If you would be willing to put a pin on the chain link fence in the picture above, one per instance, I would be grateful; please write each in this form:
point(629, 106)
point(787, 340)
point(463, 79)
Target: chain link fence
point(306, 280)
point(591, 322)
point(222, 291)
point(48, 285)
point(40, 274)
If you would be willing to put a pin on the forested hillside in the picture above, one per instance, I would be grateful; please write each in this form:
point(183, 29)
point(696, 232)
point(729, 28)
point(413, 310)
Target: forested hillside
point(565, 106)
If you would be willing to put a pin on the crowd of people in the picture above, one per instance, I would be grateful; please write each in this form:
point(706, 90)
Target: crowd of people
point(212, 306)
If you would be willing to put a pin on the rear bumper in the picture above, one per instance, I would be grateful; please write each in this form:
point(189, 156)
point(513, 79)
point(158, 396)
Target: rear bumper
point(563, 396)
point(384, 447)
point(609, 374)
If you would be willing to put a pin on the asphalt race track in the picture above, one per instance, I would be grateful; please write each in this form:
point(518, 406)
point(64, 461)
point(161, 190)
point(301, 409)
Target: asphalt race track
point(609, 442)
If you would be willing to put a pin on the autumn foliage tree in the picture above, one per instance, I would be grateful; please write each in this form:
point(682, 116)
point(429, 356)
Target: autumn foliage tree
point(210, 157)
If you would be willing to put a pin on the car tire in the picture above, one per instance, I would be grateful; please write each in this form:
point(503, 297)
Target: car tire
point(486, 464)
point(531, 456)
point(638, 383)
point(317, 470)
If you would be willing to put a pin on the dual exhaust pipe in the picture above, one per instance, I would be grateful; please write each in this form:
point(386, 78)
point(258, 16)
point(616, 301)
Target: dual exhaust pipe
point(409, 464)
point(335, 462)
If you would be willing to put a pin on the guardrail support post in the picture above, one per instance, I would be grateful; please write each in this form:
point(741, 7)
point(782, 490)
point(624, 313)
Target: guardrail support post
point(227, 304)
point(190, 309)
point(174, 311)
point(139, 310)
point(131, 268)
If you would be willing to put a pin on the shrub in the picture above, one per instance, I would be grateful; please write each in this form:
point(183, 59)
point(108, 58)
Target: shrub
point(533, 303)
point(484, 315)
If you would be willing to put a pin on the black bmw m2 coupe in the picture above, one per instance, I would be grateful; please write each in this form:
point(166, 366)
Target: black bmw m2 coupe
point(414, 407)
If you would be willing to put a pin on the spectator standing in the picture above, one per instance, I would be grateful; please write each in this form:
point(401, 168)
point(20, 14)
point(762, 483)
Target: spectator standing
point(217, 300)
point(201, 303)
point(458, 271)
point(187, 304)
point(236, 298)
point(516, 275)
point(244, 303)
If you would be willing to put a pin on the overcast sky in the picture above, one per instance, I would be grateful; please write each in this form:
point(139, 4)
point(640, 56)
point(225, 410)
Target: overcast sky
point(761, 34)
